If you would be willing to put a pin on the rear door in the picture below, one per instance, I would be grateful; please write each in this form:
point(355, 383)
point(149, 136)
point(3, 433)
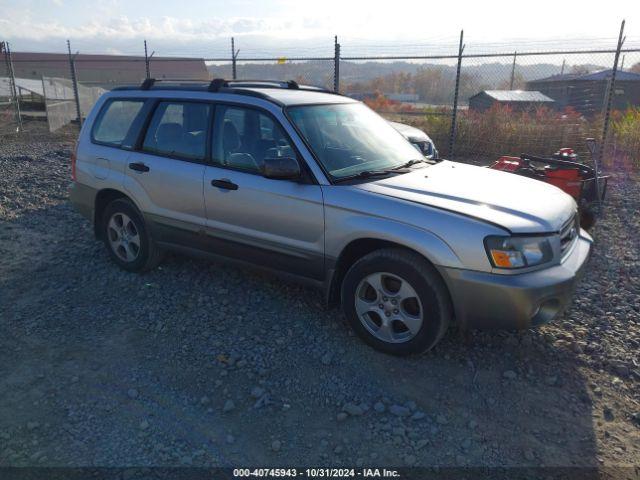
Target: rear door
point(275, 223)
point(165, 175)
point(102, 160)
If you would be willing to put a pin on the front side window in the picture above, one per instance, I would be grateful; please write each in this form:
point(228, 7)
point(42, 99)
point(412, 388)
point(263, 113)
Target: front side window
point(179, 129)
point(115, 120)
point(245, 137)
point(350, 138)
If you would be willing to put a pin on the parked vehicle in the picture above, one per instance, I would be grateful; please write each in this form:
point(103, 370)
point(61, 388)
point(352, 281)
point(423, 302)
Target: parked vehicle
point(418, 139)
point(319, 187)
point(584, 183)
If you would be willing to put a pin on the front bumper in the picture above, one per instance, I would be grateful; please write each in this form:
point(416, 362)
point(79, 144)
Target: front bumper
point(488, 300)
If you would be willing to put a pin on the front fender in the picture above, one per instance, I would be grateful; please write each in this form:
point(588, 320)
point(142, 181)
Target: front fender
point(429, 245)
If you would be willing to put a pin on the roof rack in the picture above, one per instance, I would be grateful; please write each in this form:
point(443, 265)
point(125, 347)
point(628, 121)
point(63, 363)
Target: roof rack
point(150, 82)
point(239, 87)
point(219, 83)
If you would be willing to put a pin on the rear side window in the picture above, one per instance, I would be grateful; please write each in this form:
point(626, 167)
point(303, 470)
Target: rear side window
point(179, 129)
point(115, 120)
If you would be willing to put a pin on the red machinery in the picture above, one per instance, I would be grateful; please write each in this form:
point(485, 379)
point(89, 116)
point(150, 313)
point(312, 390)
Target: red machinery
point(584, 183)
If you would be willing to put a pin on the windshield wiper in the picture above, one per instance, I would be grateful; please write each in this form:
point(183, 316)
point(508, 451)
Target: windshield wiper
point(365, 174)
point(410, 163)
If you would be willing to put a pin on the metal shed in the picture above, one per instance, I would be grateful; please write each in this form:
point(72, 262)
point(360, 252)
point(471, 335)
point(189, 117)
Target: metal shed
point(587, 93)
point(516, 99)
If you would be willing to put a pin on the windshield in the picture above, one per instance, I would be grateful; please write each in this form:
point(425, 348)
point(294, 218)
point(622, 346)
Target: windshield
point(349, 139)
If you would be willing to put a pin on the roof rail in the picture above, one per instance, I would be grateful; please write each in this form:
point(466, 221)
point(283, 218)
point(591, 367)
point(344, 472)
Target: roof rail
point(219, 83)
point(240, 87)
point(147, 83)
point(216, 84)
point(150, 82)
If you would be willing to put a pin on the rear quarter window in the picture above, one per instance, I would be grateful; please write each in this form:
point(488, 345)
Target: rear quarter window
point(115, 120)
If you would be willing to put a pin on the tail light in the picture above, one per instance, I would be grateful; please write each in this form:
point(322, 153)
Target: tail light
point(74, 157)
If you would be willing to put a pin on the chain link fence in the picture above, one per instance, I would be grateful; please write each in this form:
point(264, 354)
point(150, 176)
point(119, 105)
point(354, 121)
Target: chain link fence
point(481, 106)
point(530, 103)
point(475, 105)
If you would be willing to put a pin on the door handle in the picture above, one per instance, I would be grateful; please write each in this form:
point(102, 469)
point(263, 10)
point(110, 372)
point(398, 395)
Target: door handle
point(138, 167)
point(224, 183)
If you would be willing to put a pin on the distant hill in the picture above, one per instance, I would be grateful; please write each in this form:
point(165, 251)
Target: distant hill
point(433, 82)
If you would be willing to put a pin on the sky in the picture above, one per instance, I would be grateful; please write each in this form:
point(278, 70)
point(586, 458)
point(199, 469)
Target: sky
point(268, 27)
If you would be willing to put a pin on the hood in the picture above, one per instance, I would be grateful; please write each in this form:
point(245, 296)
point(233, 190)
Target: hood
point(519, 204)
point(410, 132)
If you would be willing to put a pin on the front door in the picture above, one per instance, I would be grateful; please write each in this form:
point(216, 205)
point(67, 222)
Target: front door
point(275, 223)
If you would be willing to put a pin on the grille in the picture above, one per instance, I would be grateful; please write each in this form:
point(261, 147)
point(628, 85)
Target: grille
point(569, 233)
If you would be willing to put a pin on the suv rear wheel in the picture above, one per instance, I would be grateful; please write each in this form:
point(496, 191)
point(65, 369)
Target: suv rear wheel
point(127, 239)
point(396, 301)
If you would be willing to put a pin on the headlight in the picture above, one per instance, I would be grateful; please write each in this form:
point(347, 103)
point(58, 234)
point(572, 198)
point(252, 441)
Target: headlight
point(518, 252)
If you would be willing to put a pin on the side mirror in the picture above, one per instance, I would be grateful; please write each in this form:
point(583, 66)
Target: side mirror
point(281, 168)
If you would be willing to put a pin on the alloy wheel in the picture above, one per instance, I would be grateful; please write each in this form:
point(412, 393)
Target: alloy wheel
point(124, 238)
point(389, 307)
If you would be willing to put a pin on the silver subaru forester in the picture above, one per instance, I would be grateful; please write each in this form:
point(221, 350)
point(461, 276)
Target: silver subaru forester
point(320, 188)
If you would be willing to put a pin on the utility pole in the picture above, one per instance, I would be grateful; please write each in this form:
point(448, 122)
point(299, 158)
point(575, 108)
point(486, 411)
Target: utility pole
point(74, 81)
point(15, 100)
point(454, 113)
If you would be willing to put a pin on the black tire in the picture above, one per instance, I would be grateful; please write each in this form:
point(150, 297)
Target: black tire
point(425, 281)
point(588, 215)
point(148, 254)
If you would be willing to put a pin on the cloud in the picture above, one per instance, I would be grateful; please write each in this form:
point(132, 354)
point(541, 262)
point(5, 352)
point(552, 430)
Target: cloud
point(178, 29)
point(111, 24)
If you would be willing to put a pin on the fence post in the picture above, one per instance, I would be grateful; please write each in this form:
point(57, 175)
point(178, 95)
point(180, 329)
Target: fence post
point(336, 65)
point(513, 70)
point(234, 55)
point(611, 93)
point(15, 100)
point(454, 113)
point(46, 103)
point(146, 60)
point(74, 80)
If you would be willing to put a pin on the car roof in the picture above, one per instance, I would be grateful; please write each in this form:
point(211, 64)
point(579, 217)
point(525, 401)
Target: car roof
point(409, 131)
point(289, 97)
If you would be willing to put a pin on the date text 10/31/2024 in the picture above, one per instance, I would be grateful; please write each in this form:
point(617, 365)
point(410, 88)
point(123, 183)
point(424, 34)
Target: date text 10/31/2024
point(316, 472)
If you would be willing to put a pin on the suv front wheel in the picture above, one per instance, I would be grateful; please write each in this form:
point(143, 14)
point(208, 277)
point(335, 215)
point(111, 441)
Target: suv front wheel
point(396, 301)
point(126, 237)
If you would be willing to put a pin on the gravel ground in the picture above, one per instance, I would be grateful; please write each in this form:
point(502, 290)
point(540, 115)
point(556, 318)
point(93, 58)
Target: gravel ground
point(198, 363)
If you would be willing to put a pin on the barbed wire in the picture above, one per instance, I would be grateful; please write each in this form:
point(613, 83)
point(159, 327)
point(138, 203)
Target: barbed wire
point(360, 48)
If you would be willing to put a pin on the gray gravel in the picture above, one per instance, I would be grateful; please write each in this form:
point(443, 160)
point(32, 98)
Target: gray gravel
point(199, 363)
